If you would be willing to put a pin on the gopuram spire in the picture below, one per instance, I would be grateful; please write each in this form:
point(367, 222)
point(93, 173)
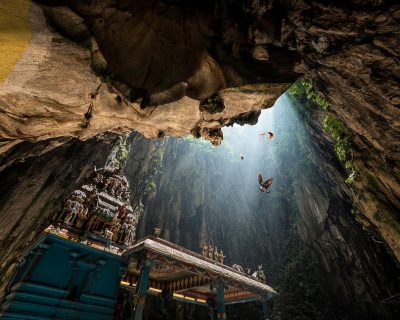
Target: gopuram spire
point(99, 211)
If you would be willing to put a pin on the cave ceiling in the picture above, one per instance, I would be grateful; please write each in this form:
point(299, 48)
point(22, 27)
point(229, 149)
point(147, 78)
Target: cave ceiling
point(173, 68)
point(158, 67)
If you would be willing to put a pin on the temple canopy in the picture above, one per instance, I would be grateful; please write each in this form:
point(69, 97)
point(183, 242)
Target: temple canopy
point(76, 268)
point(190, 276)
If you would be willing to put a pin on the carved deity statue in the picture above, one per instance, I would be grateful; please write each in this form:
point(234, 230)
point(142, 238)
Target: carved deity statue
point(259, 274)
point(210, 251)
point(108, 233)
point(216, 254)
point(221, 256)
point(115, 227)
point(238, 268)
point(204, 249)
point(73, 209)
point(122, 213)
point(131, 235)
point(92, 222)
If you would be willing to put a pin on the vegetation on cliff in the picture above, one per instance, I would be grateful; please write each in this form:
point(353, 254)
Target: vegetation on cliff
point(304, 94)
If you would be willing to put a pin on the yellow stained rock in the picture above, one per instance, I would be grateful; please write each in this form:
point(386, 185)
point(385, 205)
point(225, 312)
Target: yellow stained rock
point(15, 33)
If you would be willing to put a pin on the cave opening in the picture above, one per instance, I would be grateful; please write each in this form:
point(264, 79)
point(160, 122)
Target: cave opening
point(288, 235)
point(200, 154)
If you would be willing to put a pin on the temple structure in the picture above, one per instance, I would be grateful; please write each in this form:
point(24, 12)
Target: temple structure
point(86, 265)
point(100, 211)
point(65, 279)
point(180, 274)
point(58, 278)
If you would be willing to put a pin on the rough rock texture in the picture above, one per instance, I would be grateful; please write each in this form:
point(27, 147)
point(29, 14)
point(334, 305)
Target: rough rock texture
point(53, 91)
point(180, 67)
point(326, 223)
point(181, 54)
point(34, 186)
point(166, 68)
point(352, 53)
point(344, 271)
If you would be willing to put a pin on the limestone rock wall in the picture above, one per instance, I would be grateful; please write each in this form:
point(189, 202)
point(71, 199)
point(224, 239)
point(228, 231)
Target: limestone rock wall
point(304, 232)
point(98, 66)
point(34, 187)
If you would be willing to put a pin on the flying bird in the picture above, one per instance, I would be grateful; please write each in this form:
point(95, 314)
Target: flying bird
point(270, 134)
point(241, 156)
point(264, 186)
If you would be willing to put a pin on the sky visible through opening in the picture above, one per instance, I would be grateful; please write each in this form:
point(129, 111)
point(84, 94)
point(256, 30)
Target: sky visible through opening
point(261, 154)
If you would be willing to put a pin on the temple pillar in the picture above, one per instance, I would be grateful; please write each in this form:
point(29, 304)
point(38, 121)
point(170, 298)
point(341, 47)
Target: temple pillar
point(68, 272)
point(39, 251)
point(265, 308)
point(220, 300)
point(141, 290)
point(211, 310)
point(212, 317)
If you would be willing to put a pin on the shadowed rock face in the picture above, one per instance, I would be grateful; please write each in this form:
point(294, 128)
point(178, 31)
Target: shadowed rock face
point(180, 67)
point(348, 272)
point(184, 67)
point(163, 48)
point(36, 179)
point(170, 57)
point(156, 62)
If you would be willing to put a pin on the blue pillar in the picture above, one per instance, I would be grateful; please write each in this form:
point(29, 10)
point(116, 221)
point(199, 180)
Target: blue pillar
point(39, 251)
point(212, 314)
point(69, 269)
point(141, 290)
point(220, 300)
point(265, 308)
point(211, 309)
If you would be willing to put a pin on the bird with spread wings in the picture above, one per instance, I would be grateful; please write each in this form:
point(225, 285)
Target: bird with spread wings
point(264, 185)
point(270, 134)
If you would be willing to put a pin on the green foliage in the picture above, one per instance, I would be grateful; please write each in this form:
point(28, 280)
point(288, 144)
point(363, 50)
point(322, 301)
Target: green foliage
point(123, 151)
point(333, 126)
point(349, 165)
point(304, 90)
point(200, 143)
point(303, 93)
point(152, 186)
point(205, 146)
point(343, 145)
point(350, 178)
point(156, 165)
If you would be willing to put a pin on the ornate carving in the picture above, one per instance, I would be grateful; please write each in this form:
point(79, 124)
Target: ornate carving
point(101, 207)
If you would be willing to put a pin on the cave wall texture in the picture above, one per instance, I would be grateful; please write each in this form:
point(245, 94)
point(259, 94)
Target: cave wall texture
point(97, 66)
point(325, 264)
point(35, 181)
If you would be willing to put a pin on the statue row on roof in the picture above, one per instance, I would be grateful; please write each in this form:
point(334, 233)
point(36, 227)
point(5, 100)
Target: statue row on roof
point(258, 274)
point(211, 252)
